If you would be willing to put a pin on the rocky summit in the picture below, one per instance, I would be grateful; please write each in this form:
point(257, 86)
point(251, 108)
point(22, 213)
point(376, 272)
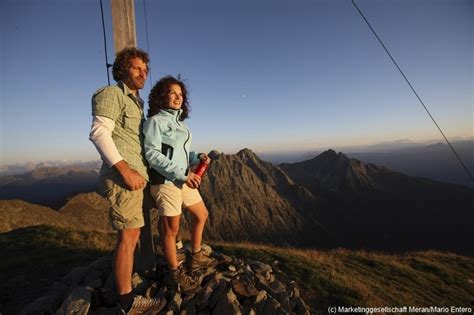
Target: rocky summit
point(232, 286)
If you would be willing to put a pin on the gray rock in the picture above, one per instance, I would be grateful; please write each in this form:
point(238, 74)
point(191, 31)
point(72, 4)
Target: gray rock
point(228, 304)
point(206, 249)
point(203, 296)
point(284, 300)
point(78, 302)
point(300, 307)
point(244, 287)
point(249, 311)
point(260, 301)
point(188, 298)
point(261, 296)
point(282, 311)
point(96, 284)
point(204, 274)
point(224, 259)
point(259, 267)
point(60, 290)
point(151, 290)
point(76, 276)
point(108, 297)
point(174, 304)
point(139, 285)
point(271, 307)
point(234, 286)
point(190, 309)
point(294, 291)
point(276, 266)
point(276, 287)
point(262, 283)
point(103, 264)
point(92, 275)
point(218, 292)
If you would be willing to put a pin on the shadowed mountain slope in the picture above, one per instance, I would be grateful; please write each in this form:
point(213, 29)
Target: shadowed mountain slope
point(373, 207)
point(249, 199)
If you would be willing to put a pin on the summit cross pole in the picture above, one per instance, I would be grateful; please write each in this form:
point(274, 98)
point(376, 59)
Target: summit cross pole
point(123, 20)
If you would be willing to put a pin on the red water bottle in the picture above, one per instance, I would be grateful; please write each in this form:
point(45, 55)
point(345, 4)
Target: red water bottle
point(202, 167)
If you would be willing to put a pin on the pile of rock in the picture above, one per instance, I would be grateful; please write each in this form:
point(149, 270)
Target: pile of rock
point(233, 286)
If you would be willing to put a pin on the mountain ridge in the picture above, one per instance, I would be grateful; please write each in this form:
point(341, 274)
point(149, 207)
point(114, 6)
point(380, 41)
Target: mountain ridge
point(328, 201)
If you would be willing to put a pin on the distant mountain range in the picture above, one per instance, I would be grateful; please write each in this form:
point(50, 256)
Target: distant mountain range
point(435, 161)
point(328, 201)
point(22, 168)
point(49, 186)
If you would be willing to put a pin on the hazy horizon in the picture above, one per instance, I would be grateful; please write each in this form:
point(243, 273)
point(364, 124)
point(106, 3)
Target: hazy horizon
point(389, 145)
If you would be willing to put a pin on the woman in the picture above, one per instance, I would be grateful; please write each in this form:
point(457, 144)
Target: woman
point(173, 185)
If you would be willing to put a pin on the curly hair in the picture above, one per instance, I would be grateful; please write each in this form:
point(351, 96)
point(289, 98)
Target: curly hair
point(158, 98)
point(122, 61)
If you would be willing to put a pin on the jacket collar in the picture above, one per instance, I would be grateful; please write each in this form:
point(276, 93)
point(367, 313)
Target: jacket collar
point(173, 112)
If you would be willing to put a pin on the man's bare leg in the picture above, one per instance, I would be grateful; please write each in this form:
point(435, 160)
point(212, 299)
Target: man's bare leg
point(123, 259)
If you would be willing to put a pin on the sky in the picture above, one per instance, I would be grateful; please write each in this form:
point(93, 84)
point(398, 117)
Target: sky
point(269, 75)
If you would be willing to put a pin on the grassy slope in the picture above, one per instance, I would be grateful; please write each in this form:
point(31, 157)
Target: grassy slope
point(357, 278)
point(35, 257)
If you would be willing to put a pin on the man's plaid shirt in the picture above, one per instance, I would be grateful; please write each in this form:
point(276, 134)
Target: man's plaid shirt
point(119, 104)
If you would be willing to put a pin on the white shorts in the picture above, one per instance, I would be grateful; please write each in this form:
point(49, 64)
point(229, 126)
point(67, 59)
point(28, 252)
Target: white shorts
point(170, 199)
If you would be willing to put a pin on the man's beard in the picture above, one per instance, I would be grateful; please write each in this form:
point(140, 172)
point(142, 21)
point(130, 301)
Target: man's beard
point(138, 82)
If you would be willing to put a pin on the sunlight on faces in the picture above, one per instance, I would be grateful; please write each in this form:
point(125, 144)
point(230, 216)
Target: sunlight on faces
point(137, 74)
point(175, 97)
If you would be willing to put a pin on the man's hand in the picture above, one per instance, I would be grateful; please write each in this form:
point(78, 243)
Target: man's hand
point(131, 177)
point(193, 181)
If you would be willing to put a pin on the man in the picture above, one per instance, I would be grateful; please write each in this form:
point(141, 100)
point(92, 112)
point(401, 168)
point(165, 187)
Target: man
point(117, 134)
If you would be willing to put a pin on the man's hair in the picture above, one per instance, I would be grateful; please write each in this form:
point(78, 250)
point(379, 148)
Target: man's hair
point(159, 98)
point(122, 61)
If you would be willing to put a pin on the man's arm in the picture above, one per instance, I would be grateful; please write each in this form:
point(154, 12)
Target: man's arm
point(101, 136)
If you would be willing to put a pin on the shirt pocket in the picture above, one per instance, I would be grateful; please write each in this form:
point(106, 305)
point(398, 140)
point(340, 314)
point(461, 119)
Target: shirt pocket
point(133, 121)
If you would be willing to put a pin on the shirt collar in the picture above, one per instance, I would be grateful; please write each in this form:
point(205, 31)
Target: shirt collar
point(126, 90)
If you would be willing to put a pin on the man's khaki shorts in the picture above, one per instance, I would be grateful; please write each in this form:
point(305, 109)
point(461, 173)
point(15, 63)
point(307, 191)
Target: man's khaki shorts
point(126, 206)
point(170, 199)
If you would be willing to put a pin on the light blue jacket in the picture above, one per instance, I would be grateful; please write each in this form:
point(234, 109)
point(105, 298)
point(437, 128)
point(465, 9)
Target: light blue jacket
point(167, 142)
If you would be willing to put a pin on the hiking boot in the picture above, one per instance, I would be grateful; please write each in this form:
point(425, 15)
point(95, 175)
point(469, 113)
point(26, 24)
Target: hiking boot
point(142, 305)
point(199, 260)
point(179, 276)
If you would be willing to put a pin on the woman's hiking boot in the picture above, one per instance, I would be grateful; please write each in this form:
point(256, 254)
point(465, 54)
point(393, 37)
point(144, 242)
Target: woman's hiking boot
point(199, 260)
point(179, 276)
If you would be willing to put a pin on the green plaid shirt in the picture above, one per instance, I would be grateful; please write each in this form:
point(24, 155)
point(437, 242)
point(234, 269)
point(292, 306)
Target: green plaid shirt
point(119, 104)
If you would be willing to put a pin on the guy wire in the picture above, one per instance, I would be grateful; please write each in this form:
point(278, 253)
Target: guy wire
point(107, 65)
point(414, 91)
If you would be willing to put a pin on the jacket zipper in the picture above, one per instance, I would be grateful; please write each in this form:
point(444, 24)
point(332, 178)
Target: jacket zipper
point(184, 145)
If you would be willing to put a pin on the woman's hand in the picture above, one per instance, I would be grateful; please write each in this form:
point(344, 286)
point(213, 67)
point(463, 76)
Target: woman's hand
point(193, 181)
